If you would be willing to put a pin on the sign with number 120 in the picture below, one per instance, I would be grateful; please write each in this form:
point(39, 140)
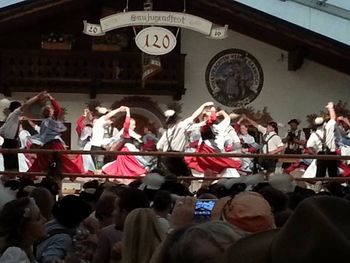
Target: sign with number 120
point(155, 40)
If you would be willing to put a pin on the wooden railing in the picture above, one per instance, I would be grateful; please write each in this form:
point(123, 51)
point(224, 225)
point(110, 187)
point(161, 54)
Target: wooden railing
point(172, 154)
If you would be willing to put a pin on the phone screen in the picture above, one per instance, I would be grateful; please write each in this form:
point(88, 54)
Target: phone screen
point(203, 208)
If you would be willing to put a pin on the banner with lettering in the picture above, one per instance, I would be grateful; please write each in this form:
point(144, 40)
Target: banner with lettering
point(155, 18)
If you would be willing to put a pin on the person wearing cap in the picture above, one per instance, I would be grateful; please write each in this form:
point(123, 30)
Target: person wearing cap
point(317, 231)
point(294, 140)
point(98, 132)
point(272, 143)
point(248, 212)
point(10, 129)
point(174, 139)
point(322, 142)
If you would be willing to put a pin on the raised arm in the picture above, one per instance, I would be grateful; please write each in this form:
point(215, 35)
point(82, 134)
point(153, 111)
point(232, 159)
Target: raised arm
point(344, 119)
point(225, 115)
point(254, 123)
point(126, 125)
point(200, 110)
point(57, 107)
point(331, 111)
point(39, 96)
point(114, 112)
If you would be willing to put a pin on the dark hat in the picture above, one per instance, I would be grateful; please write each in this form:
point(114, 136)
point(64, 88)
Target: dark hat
point(274, 125)
point(318, 231)
point(14, 105)
point(71, 210)
point(295, 121)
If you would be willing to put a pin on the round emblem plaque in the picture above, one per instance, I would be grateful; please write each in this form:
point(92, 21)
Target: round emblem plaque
point(234, 77)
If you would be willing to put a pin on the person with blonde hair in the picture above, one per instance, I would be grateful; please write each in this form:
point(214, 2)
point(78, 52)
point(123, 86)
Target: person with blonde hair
point(142, 235)
point(21, 225)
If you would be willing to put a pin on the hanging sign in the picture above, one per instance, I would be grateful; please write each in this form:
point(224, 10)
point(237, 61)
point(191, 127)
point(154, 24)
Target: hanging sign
point(155, 40)
point(156, 18)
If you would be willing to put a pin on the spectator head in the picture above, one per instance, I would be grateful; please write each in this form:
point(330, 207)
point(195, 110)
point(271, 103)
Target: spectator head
point(51, 185)
point(104, 210)
point(14, 105)
point(277, 199)
point(44, 200)
point(283, 182)
point(141, 236)
point(71, 210)
point(91, 193)
point(249, 212)
point(318, 231)
point(13, 184)
point(21, 223)
point(202, 243)
point(162, 202)
point(127, 200)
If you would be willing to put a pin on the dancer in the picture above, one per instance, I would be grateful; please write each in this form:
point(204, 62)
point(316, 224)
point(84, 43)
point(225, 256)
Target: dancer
point(322, 142)
point(248, 145)
point(213, 141)
point(127, 165)
point(174, 139)
point(10, 129)
point(27, 129)
point(294, 140)
point(50, 138)
point(98, 132)
point(84, 131)
point(272, 144)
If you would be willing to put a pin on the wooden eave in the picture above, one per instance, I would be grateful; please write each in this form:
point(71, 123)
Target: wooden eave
point(239, 17)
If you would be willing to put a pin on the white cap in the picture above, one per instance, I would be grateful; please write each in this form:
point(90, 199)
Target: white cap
point(1, 141)
point(169, 113)
point(318, 120)
point(4, 103)
point(102, 110)
point(283, 182)
point(153, 181)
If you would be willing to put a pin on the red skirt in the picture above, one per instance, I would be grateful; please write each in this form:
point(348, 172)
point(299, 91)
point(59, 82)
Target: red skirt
point(124, 165)
point(43, 161)
point(79, 162)
point(215, 164)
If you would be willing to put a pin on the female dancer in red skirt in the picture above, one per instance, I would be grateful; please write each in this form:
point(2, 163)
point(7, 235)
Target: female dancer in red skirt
point(213, 141)
point(50, 138)
point(127, 165)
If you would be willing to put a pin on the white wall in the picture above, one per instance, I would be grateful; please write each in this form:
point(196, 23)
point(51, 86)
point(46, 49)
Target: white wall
point(286, 94)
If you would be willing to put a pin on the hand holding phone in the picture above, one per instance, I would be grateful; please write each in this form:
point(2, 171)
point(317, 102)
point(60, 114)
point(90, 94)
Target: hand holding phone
point(203, 209)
